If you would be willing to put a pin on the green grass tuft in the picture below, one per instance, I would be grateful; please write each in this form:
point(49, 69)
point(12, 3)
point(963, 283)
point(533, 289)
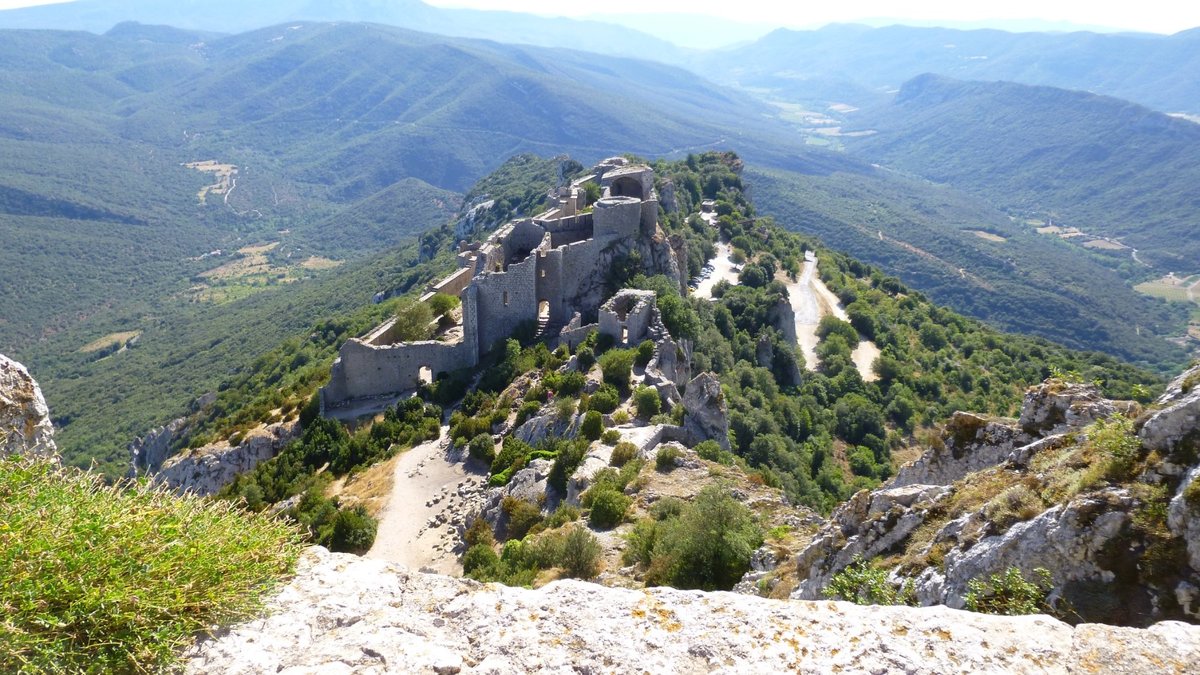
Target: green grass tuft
point(96, 578)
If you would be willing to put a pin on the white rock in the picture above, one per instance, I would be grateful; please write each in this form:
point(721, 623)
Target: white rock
point(343, 614)
point(25, 427)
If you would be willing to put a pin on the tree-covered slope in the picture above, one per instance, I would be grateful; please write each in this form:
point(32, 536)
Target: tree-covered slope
point(1100, 164)
point(968, 255)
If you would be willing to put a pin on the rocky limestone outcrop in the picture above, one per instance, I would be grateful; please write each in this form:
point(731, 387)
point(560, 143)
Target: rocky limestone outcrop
point(969, 443)
point(344, 614)
point(148, 453)
point(204, 471)
point(1056, 406)
point(983, 500)
point(707, 416)
point(25, 427)
point(549, 424)
point(529, 485)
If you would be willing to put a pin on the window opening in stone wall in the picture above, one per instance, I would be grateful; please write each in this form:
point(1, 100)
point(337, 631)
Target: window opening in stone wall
point(624, 335)
point(544, 309)
point(425, 375)
point(506, 298)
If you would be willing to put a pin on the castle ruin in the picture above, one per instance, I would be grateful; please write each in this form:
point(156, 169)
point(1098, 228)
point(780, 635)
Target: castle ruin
point(549, 269)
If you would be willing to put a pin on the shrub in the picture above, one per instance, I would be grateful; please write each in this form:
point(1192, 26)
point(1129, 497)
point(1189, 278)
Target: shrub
point(1116, 439)
point(513, 452)
point(570, 454)
point(593, 425)
point(620, 417)
point(668, 507)
point(647, 402)
point(709, 545)
point(623, 452)
point(564, 408)
point(712, 451)
point(604, 400)
point(645, 352)
point(608, 507)
point(479, 559)
point(483, 448)
point(580, 555)
point(353, 531)
point(665, 459)
point(564, 514)
point(640, 542)
point(113, 579)
point(1191, 495)
point(862, 584)
point(617, 365)
point(442, 304)
point(566, 384)
point(586, 357)
point(528, 409)
point(522, 516)
point(1010, 593)
point(611, 437)
point(480, 532)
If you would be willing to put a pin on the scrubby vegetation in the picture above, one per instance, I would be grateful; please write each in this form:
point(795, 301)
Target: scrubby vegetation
point(95, 578)
point(863, 584)
point(823, 435)
point(705, 543)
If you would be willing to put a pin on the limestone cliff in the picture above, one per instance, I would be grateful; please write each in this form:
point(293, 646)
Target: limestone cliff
point(345, 614)
point(204, 471)
point(1112, 516)
point(25, 427)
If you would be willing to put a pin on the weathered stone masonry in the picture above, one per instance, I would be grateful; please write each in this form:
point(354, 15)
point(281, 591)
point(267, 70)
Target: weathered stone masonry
point(548, 267)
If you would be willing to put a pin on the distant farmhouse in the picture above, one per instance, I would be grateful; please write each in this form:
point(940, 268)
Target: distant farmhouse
point(549, 269)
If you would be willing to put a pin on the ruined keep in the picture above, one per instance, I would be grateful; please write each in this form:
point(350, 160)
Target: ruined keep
point(549, 269)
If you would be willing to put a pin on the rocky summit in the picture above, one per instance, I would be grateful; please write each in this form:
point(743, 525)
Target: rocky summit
point(344, 614)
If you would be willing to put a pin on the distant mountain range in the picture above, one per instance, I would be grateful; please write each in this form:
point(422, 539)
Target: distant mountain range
point(866, 63)
point(235, 16)
point(1100, 164)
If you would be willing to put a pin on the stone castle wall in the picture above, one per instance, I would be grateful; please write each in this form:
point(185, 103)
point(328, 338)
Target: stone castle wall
point(558, 259)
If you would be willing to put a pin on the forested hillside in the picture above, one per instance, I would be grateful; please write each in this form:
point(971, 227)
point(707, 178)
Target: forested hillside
point(1099, 164)
point(968, 255)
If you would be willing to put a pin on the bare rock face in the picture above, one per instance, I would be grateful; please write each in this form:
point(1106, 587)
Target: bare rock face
point(345, 614)
point(970, 442)
point(548, 425)
point(707, 415)
point(204, 471)
point(1175, 429)
point(1054, 407)
point(148, 453)
point(25, 427)
point(981, 502)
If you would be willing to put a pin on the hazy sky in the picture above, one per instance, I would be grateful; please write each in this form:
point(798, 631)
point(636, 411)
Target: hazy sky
point(1159, 16)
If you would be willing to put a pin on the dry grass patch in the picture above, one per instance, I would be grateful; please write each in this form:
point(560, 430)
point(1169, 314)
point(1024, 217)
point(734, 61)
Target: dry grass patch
point(109, 340)
point(319, 263)
point(223, 173)
point(370, 488)
point(984, 234)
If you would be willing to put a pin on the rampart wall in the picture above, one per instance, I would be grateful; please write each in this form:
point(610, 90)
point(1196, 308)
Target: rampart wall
point(506, 299)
